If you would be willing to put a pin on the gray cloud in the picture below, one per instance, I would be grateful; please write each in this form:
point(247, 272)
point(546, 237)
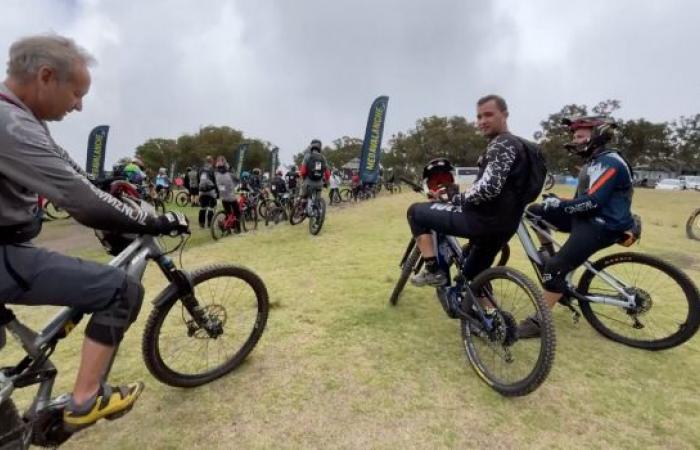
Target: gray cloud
point(290, 71)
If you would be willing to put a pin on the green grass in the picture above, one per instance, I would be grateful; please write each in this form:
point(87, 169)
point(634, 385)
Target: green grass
point(337, 367)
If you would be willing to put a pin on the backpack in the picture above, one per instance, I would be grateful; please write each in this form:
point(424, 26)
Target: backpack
point(535, 174)
point(205, 181)
point(316, 166)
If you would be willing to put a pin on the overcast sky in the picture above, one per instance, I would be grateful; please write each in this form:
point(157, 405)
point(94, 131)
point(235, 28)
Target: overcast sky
point(288, 71)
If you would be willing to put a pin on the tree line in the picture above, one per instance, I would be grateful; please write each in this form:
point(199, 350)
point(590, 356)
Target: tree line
point(674, 144)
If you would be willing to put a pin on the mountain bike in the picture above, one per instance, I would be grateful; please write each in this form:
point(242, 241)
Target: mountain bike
point(315, 210)
point(633, 298)
point(225, 223)
point(202, 326)
point(489, 308)
point(692, 226)
point(277, 209)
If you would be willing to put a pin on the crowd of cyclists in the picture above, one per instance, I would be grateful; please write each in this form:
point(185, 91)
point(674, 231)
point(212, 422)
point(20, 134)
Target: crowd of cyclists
point(48, 77)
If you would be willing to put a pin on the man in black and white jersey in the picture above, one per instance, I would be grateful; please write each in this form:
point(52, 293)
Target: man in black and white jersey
point(489, 212)
point(47, 77)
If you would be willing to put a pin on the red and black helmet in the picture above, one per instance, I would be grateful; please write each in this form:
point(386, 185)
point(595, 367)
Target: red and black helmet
point(603, 130)
point(438, 172)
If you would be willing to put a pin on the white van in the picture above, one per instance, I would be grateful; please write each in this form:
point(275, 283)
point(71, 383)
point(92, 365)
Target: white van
point(466, 175)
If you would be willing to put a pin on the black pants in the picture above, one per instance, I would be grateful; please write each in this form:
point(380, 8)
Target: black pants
point(586, 237)
point(206, 210)
point(447, 219)
point(332, 192)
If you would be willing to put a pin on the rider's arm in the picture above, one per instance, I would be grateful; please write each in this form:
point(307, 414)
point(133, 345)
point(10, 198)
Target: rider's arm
point(31, 159)
point(500, 156)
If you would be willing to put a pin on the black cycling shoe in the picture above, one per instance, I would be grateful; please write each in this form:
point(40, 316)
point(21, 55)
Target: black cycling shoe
point(426, 278)
point(529, 328)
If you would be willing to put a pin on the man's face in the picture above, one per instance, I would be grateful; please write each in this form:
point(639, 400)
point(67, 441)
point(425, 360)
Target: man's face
point(491, 120)
point(59, 97)
point(582, 135)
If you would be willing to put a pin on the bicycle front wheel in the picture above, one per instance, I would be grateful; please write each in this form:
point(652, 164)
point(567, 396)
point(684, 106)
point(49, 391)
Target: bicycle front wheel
point(667, 303)
point(250, 219)
point(692, 226)
point(510, 365)
point(179, 352)
point(218, 226)
point(55, 212)
point(408, 266)
point(316, 222)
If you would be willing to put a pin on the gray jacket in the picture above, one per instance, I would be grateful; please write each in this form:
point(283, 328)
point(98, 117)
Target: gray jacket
point(32, 163)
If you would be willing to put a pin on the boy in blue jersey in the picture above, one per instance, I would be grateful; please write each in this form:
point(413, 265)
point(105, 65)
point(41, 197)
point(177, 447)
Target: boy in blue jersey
point(597, 217)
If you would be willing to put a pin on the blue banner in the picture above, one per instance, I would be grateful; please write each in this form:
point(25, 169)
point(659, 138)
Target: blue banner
point(240, 158)
point(274, 161)
point(372, 145)
point(97, 146)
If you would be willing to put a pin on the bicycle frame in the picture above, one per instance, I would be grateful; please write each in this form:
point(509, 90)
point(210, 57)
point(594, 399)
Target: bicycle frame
point(537, 262)
point(36, 367)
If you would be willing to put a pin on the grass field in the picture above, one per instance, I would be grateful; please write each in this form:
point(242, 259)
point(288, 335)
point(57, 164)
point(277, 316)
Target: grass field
point(339, 368)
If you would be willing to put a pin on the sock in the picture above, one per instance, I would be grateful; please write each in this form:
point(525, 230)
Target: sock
point(431, 264)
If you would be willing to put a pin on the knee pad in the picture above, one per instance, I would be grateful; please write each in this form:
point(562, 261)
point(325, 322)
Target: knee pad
point(554, 276)
point(108, 326)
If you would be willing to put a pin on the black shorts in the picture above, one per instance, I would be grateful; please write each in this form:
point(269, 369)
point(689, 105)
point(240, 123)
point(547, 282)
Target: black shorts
point(207, 202)
point(450, 220)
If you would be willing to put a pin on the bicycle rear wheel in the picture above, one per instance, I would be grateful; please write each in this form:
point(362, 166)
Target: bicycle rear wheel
point(511, 366)
point(250, 218)
point(692, 226)
point(408, 266)
point(345, 194)
point(182, 199)
point(178, 352)
point(218, 226)
point(667, 311)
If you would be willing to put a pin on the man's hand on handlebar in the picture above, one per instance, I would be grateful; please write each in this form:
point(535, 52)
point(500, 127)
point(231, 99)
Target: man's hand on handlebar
point(172, 224)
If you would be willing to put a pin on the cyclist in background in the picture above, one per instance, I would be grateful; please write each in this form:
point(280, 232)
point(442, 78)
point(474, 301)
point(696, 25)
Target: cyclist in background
point(227, 190)
point(314, 171)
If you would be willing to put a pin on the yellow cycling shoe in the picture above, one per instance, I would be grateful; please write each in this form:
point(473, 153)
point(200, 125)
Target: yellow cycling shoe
point(110, 402)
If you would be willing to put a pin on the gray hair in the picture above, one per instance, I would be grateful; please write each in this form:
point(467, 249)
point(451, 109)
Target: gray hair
point(29, 54)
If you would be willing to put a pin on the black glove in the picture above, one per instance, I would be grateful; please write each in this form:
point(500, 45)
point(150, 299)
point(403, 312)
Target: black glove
point(456, 199)
point(172, 223)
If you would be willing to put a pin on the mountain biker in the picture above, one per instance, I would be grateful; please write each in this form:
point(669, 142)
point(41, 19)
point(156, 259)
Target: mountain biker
point(598, 216)
point(47, 77)
point(134, 172)
point(162, 180)
point(278, 186)
point(245, 181)
point(208, 192)
point(355, 184)
point(227, 190)
point(192, 184)
point(292, 178)
point(255, 183)
point(488, 212)
point(334, 183)
point(314, 170)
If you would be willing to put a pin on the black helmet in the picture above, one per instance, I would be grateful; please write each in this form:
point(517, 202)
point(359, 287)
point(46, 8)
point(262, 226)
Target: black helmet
point(315, 145)
point(256, 171)
point(293, 169)
point(603, 129)
point(438, 172)
point(437, 165)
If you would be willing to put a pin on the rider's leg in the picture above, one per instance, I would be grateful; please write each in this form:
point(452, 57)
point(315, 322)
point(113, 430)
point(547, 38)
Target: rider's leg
point(112, 297)
point(585, 239)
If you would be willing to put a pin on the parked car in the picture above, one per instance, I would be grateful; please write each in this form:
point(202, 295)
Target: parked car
point(671, 184)
point(691, 181)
